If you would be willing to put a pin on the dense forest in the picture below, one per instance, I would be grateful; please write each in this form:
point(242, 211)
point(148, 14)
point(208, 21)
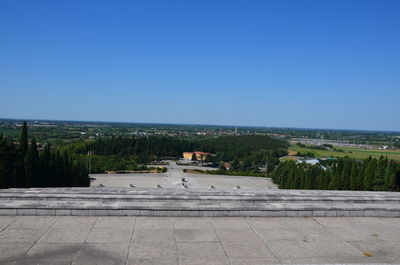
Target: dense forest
point(22, 166)
point(228, 148)
point(342, 174)
point(246, 153)
point(147, 148)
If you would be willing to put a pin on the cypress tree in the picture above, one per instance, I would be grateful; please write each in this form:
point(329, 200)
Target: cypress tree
point(354, 177)
point(379, 184)
point(369, 175)
point(67, 170)
point(58, 166)
point(312, 177)
point(390, 176)
point(32, 165)
point(346, 173)
point(277, 175)
point(20, 179)
point(303, 177)
point(299, 178)
point(326, 180)
point(336, 175)
point(23, 140)
point(8, 164)
point(362, 172)
point(286, 175)
point(292, 177)
point(47, 167)
point(397, 181)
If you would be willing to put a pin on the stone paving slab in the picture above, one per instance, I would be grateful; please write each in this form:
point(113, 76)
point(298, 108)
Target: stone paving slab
point(193, 240)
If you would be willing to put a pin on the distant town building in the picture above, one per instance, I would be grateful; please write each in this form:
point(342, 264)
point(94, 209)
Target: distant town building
point(327, 158)
point(312, 161)
point(227, 165)
point(199, 155)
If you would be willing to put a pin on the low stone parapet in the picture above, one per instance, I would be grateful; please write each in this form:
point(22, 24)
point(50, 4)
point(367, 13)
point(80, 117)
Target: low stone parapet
point(185, 202)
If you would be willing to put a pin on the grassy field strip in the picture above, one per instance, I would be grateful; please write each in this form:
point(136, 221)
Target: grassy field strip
point(349, 151)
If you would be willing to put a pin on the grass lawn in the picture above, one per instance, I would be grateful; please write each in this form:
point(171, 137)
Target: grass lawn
point(349, 151)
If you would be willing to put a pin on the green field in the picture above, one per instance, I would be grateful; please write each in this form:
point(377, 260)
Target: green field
point(348, 151)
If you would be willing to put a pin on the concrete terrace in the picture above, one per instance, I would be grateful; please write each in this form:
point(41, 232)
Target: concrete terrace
point(254, 223)
point(173, 179)
point(208, 240)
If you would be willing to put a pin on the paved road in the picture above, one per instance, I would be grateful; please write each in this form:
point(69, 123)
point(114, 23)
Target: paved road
point(174, 175)
point(155, 240)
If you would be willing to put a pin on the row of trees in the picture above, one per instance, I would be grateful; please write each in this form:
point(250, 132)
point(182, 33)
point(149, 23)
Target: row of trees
point(144, 148)
point(229, 148)
point(22, 166)
point(342, 174)
point(246, 153)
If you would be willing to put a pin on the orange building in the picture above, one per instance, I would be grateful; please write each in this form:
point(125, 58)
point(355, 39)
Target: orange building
point(199, 155)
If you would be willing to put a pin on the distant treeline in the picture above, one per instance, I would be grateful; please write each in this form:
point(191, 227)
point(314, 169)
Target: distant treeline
point(342, 174)
point(124, 153)
point(143, 148)
point(229, 147)
point(22, 166)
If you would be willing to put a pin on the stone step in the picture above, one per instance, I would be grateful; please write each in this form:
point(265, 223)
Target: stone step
point(197, 197)
point(197, 192)
point(179, 202)
point(112, 190)
point(188, 209)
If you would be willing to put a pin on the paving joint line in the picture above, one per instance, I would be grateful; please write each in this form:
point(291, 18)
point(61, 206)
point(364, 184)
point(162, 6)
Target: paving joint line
point(131, 240)
point(220, 242)
point(176, 243)
point(14, 218)
point(257, 234)
point(40, 238)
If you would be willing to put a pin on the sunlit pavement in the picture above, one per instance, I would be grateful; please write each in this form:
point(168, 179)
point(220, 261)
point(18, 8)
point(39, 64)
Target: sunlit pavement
point(192, 240)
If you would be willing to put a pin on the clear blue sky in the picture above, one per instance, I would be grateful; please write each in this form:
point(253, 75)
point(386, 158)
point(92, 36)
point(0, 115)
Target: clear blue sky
point(314, 64)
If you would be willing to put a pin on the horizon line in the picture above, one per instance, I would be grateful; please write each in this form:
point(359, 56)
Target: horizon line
point(200, 124)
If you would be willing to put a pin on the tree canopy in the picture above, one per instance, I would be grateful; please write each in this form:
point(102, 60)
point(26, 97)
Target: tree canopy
point(22, 166)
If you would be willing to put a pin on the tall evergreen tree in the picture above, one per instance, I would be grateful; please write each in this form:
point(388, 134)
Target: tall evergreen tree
point(8, 163)
point(326, 178)
point(20, 180)
point(23, 140)
point(397, 177)
point(346, 173)
point(354, 178)
point(292, 177)
point(299, 178)
point(379, 184)
point(32, 166)
point(390, 176)
point(336, 176)
point(369, 175)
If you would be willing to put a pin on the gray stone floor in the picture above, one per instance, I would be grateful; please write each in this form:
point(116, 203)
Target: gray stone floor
point(186, 240)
